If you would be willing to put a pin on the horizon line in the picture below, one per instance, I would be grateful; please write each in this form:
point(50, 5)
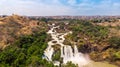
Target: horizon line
point(54, 15)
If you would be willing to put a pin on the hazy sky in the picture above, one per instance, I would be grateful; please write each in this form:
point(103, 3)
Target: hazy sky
point(60, 7)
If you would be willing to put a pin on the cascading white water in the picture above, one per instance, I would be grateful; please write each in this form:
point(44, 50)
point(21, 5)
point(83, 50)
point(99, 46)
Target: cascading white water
point(67, 53)
point(75, 57)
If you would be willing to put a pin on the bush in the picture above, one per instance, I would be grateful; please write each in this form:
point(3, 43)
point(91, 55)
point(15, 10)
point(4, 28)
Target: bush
point(56, 56)
point(70, 64)
point(117, 56)
point(114, 42)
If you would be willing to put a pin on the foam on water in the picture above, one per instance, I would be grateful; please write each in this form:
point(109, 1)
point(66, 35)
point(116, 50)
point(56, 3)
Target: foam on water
point(75, 57)
point(67, 52)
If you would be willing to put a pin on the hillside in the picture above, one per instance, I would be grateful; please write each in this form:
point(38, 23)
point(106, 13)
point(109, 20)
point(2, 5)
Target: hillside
point(12, 27)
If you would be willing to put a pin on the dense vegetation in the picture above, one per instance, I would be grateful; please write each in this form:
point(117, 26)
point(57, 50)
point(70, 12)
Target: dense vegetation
point(96, 40)
point(27, 51)
point(88, 29)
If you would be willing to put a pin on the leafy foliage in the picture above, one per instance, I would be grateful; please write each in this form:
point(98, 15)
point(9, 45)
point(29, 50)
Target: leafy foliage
point(56, 56)
point(115, 42)
point(70, 64)
point(89, 29)
point(27, 51)
point(117, 55)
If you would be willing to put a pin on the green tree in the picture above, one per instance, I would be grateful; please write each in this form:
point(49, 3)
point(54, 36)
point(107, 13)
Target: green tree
point(115, 42)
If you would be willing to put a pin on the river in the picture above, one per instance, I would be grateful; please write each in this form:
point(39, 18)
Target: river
point(67, 52)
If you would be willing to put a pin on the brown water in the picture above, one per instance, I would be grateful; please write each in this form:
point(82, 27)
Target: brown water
point(100, 64)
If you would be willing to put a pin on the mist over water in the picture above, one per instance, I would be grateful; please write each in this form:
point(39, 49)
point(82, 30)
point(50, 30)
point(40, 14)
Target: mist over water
point(75, 57)
point(67, 52)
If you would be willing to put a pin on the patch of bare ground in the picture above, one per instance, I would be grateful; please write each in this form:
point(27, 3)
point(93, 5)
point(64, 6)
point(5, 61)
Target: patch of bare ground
point(113, 24)
point(114, 32)
point(1, 22)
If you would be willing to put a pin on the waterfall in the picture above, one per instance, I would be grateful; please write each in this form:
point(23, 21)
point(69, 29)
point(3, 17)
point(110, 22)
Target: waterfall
point(75, 49)
point(75, 57)
point(67, 52)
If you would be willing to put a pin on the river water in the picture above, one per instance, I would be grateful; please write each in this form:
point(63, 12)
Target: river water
point(67, 52)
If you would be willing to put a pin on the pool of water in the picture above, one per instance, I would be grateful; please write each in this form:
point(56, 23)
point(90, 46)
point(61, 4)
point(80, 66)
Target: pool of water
point(100, 64)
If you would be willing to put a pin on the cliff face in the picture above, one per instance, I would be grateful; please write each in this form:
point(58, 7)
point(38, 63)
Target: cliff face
point(11, 27)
